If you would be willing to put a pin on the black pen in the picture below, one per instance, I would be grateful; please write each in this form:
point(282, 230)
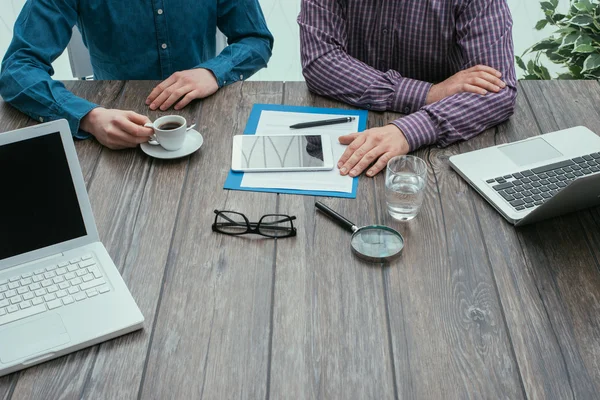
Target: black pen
point(322, 122)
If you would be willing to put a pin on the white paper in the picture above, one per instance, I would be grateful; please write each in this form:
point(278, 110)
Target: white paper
point(277, 123)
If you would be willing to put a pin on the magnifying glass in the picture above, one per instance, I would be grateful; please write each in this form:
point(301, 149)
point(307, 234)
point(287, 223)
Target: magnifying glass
point(375, 243)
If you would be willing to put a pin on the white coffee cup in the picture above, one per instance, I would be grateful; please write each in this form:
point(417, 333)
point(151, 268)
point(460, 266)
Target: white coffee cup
point(169, 131)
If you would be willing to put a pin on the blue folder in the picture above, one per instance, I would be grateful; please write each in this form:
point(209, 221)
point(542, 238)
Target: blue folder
point(234, 179)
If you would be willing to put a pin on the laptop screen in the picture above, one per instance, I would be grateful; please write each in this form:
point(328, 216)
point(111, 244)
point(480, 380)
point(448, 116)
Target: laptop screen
point(38, 203)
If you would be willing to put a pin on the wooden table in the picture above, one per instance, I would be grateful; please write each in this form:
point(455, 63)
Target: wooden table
point(474, 308)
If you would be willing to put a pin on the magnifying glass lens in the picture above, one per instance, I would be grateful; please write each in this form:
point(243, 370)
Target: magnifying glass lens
point(377, 242)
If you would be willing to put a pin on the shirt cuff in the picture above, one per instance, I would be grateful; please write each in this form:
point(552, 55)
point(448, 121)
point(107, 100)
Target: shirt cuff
point(76, 108)
point(220, 69)
point(418, 128)
point(410, 95)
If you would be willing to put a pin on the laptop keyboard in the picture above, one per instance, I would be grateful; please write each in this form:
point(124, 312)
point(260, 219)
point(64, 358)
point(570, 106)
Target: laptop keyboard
point(45, 289)
point(530, 188)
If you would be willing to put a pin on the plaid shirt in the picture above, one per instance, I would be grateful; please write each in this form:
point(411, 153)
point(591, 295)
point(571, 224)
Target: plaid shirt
point(386, 55)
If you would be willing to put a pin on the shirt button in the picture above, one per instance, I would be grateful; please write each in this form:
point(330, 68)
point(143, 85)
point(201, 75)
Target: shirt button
point(164, 46)
point(224, 82)
point(159, 11)
point(368, 106)
point(241, 77)
point(385, 31)
point(41, 119)
point(406, 110)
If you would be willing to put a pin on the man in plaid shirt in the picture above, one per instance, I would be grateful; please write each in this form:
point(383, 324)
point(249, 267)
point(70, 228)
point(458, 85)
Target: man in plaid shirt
point(447, 64)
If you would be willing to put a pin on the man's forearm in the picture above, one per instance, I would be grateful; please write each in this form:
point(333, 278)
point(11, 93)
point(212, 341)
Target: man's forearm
point(455, 118)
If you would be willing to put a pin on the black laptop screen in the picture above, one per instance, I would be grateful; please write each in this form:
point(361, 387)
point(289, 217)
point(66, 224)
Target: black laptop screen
point(38, 204)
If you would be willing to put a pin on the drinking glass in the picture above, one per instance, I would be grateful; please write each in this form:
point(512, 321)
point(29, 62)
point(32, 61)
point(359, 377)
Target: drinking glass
point(405, 183)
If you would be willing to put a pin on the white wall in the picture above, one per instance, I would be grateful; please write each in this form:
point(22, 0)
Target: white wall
point(281, 18)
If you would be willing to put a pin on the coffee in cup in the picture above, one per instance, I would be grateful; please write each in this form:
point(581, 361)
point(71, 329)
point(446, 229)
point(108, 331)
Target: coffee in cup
point(168, 126)
point(169, 131)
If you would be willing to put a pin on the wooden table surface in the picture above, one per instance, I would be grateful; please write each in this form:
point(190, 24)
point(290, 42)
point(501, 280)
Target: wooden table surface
point(474, 308)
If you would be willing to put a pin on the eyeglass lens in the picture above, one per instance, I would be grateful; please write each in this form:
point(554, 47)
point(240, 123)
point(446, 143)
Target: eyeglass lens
point(231, 222)
point(275, 225)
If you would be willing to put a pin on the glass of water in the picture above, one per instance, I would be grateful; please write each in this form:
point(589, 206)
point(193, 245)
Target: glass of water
point(405, 182)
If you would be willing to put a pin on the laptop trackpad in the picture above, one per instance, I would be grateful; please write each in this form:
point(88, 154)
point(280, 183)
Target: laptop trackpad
point(530, 151)
point(32, 337)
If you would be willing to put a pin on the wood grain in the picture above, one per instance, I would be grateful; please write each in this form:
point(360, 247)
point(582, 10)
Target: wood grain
point(119, 366)
point(449, 336)
point(561, 251)
point(537, 351)
point(212, 331)
point(474, 308)
point(330, 336)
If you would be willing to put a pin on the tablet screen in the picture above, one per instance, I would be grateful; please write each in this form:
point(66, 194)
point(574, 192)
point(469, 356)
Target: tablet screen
point(281, 151)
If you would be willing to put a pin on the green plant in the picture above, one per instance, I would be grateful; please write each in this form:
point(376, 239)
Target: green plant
point(575, 44)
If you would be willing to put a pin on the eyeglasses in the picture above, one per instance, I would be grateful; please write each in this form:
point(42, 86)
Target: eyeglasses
point(270, 225)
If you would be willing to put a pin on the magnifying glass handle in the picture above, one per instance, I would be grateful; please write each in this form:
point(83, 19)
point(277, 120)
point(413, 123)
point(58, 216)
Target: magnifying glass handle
point(337, 218)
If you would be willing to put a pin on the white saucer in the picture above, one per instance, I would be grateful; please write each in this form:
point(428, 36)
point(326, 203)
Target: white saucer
point(193, 141)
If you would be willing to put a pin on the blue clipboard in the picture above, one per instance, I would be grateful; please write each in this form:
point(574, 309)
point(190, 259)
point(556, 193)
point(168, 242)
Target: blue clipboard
point(234, 179)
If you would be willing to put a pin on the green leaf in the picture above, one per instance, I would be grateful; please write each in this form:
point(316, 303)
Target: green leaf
point(575, 71)
point(554, 3)
point(584, 48)
point(558, 18)
point(592, 62)
point(583, 39)
point(592, 75)
point(565, 76)
point(541, 24)
point(531, 77)
point(555, 57)
point(581, 20)
point(566, 29)
point(520, 63)
point(569, 39)
point(583, 5)
point(544, 73)
point(547, 6)
point(547, 44)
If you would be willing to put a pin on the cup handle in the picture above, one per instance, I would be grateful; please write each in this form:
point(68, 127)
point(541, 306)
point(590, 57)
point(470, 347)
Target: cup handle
point(153, 139)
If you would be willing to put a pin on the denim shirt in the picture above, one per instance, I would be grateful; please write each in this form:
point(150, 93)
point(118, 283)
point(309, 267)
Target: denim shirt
point(127, 39)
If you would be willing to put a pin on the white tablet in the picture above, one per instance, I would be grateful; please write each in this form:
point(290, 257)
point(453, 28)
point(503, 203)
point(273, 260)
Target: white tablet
point(262, 153)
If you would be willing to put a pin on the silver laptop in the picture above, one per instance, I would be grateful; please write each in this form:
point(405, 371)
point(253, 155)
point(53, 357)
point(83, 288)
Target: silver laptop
point(536, 178)
point(59, 289)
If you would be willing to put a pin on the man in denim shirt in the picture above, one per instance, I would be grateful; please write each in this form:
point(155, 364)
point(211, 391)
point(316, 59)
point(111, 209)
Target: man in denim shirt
point(172, 40)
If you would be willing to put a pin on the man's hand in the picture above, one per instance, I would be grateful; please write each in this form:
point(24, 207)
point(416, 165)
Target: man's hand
point(116, 129)
point(191, 84)
point(365, 147)
point(479, 79)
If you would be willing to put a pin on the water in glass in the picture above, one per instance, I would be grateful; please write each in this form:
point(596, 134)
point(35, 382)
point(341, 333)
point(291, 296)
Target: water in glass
point(404, 195)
